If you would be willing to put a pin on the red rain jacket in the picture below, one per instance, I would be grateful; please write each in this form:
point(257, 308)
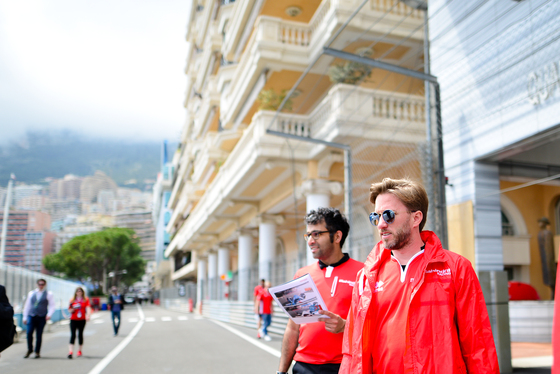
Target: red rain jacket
point(448, 329)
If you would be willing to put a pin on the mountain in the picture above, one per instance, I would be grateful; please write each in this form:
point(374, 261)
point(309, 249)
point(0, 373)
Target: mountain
point(57, 153)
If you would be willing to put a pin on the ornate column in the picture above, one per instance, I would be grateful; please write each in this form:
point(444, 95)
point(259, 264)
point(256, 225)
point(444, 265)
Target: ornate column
point(202, 282)
point(245, 245)
point(212, 275)
point(267, 244)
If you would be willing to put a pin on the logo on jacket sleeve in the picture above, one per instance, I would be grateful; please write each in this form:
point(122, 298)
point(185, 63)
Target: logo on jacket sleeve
point(378, 286)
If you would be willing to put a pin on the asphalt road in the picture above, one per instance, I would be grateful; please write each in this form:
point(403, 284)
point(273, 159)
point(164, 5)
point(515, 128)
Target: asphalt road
point(155, 340)
point(151, 340)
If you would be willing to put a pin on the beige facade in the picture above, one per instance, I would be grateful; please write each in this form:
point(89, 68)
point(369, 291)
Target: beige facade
point(237, 181)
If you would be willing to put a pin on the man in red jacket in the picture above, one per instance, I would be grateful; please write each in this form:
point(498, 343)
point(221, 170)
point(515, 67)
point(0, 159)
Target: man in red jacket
point(317, 347)
point(416, 308)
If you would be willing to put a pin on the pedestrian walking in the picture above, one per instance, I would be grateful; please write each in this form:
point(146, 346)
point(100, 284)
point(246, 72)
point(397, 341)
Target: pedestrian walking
point(415, 306)
point(80, 310)
point(317, 347)
point(116, 302)
point(7, 327)
point(264, 308)
point(256, 293)
point(38, 309)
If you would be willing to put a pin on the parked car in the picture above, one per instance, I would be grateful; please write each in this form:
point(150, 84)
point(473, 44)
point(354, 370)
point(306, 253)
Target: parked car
point(130, 298)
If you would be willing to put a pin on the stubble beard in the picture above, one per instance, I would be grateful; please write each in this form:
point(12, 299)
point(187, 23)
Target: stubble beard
point(322, 251)
point(401, 238)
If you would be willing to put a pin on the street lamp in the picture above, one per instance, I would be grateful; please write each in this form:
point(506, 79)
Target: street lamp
point(112, 274)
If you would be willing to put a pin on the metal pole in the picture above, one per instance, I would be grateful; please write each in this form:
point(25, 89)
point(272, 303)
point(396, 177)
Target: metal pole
point(6, 217)
point(348, 194)
point(441, 205)
point(428, 180)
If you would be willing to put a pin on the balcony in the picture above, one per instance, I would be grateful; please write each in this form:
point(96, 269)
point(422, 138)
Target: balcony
point(293, 45)
point(205, 115)
point(323, 13)
point(336, 116)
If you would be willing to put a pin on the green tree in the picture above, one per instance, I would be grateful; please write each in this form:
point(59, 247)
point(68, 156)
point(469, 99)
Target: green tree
point(93, 255)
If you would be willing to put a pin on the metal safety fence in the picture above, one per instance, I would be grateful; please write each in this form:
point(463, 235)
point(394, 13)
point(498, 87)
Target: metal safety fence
point(18, 282)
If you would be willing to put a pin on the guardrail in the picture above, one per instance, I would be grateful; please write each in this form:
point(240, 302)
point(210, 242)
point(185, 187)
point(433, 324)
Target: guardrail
point(241, 313)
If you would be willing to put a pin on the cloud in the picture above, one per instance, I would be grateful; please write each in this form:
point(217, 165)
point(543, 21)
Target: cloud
point(104, 68)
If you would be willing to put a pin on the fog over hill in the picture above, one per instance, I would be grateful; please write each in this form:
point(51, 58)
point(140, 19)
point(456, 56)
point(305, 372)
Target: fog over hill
point(56, 153)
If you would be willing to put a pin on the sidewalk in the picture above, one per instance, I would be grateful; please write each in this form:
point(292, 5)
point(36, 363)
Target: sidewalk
point(531, 357)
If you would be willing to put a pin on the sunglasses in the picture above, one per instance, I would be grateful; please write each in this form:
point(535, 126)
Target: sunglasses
point(388, 216)
point(40, 284)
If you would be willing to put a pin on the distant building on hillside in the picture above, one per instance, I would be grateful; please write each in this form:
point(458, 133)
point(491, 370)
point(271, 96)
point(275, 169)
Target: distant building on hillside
point(141, 222)
point(34, 202)
point(91, 185)
point(22, 191)
point(66, 188)
point(60, 208)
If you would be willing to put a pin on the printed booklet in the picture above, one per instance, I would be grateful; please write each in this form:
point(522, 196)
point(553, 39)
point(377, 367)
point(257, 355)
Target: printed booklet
point(300, 299)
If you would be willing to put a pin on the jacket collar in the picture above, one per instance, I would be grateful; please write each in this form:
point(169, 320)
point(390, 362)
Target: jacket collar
point(433, 251)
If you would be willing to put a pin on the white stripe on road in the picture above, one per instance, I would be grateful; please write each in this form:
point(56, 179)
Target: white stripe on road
point(166, 319)
point(262, 346)
point(182, 318)
point(150, 319)
point(114, 353)
point(98, 321)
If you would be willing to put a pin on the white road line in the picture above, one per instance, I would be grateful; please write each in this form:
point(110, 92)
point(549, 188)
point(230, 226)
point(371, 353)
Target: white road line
point(133, 320)
point(150, 319)
point(166, 319)
point(198, 317)
point(98, 321)
point(114, 353)
point(182, 318)
point(65, 322)
point(253, 341)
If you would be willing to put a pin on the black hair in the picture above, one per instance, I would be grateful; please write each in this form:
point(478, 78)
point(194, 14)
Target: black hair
point(333, 219)
point(41, 280)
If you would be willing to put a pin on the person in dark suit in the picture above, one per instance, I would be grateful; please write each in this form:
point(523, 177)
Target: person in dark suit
point(116, 302)
point(7, 328)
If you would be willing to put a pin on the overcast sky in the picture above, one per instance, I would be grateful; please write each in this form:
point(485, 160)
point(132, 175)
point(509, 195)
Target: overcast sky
point(101, 67)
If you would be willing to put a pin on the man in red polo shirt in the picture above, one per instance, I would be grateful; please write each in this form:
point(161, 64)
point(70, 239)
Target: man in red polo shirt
point(317, 347)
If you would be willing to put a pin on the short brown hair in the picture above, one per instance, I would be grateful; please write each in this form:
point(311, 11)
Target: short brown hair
point(410, 193)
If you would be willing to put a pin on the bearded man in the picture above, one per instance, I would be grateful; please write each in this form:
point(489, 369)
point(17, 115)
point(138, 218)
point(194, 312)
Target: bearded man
point(416, 308)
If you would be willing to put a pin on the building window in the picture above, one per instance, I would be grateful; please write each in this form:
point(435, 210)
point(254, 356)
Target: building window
point(507, 227)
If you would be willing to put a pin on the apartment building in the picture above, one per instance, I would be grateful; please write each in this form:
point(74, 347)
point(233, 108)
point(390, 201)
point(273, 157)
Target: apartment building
point(141, 222)
point(23, 226)
point(240, 192)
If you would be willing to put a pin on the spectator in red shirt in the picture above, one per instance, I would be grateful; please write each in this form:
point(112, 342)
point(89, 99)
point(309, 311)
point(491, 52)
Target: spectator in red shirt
point(258, 289)
point(264, 307)
point(81, 311)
